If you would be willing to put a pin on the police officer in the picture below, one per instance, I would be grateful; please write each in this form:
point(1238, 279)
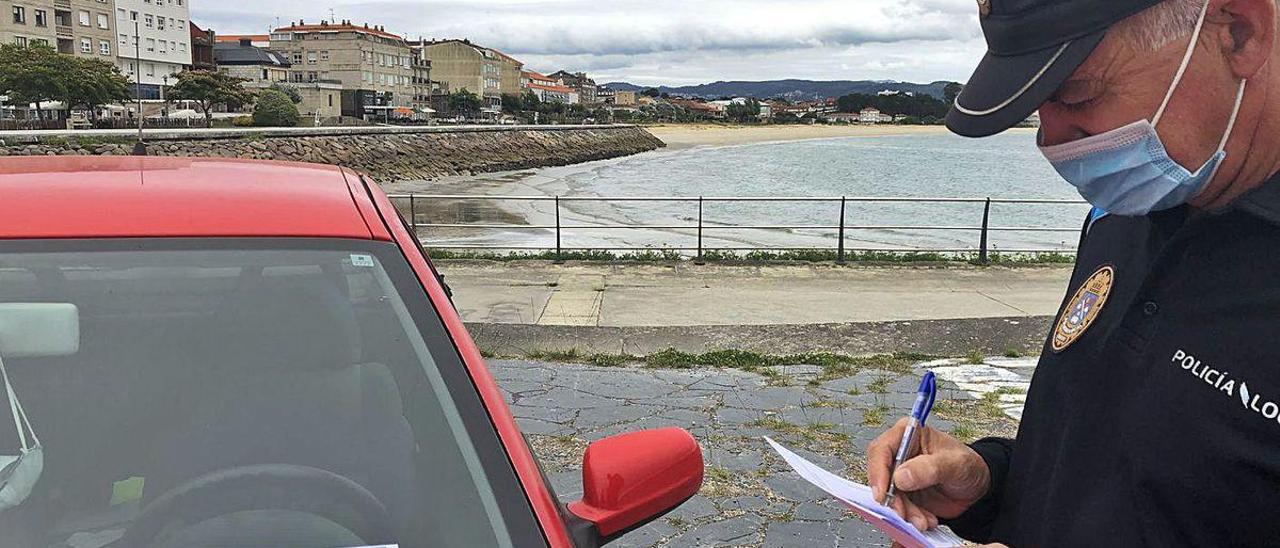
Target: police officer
point(1154, 415)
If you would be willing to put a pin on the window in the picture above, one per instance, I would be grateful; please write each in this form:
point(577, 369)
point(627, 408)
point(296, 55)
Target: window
point(324, 55)
point(131, 67)
point(311, 76)
point(297, 58)
point(20, 41)
point(151, 69)
point(102, 21)
point(173, 24)
point(86, 45)
point(151, 44)
point(160, 23)
point(347, 390)
point(104, 47)
point(124, 39)
point(164, 46)
point(182, 47)
point(264, 75)
point(84, 18)
point(311, 57)
point(20, 17)
point(133, 16)
point(42, 18)
point(151, 21)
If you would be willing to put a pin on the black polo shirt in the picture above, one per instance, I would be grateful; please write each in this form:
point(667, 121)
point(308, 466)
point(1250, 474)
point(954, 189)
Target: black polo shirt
point(1159, 424)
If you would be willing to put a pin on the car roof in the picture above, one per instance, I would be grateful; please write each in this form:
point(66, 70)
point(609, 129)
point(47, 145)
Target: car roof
point(133, 196)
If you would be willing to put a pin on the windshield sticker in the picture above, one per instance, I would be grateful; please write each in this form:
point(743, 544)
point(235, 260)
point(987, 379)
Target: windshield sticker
point(364, 261)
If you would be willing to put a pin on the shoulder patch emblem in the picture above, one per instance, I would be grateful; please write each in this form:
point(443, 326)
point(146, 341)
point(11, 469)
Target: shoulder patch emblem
point(1083, 308)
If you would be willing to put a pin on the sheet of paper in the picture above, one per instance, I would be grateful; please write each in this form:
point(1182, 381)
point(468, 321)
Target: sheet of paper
point(858, 497)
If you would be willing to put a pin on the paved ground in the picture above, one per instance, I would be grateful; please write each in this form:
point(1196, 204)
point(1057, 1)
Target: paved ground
point(749, 497)
point(684, 294)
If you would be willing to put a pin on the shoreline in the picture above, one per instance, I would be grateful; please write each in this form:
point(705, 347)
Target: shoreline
point(685, 136)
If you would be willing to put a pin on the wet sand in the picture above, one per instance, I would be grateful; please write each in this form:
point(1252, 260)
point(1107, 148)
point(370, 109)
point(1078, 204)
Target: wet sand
point(678, 136)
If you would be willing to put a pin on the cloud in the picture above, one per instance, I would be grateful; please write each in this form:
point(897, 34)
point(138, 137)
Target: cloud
point(666, 41)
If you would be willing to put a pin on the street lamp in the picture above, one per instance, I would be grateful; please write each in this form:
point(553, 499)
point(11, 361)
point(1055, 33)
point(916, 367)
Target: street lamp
point(139, 149)
point(165, 110)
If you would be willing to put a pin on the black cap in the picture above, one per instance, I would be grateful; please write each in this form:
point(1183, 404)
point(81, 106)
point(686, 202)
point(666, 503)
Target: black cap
point(1032, 47)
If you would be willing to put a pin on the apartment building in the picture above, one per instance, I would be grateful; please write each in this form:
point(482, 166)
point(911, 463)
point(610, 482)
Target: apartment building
point(425, 90)
point(202, 41)
point(260, 67)
point(373, 67)
point(75, 27)
point(546, 89)
point(154, 41)
point(486, 72)
point(585, 86)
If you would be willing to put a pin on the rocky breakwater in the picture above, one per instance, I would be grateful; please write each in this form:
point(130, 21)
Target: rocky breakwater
point(386, 153)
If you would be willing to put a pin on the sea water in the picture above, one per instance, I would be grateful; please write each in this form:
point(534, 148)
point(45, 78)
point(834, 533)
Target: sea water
point(932, 166)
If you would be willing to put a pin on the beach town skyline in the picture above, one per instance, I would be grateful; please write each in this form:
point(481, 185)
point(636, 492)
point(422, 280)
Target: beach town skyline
point(663, 42)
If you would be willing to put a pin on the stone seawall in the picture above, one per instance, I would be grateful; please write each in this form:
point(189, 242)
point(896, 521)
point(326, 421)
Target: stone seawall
point(386, 153)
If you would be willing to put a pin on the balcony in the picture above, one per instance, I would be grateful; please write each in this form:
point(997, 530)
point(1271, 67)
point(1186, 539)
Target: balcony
point(63, 31)
point(63, 4)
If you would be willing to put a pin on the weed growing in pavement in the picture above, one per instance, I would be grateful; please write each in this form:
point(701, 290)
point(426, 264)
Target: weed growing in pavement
point(1011, 352)
point(964, 433)
point(874, 416)
point(834, 366)
point(829, 404)
point(819, 432)
point(975, 357)
point(880, 385)
point(763, 256)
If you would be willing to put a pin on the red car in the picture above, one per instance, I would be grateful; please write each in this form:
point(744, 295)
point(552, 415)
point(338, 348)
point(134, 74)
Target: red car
point(205, 352)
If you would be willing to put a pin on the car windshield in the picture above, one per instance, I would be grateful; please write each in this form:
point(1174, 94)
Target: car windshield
point(234, 393)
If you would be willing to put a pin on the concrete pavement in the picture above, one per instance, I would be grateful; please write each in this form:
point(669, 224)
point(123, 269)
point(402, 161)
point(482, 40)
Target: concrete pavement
point(684, 294)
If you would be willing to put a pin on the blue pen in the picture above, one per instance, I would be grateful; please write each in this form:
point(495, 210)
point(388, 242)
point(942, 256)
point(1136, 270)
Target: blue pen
point(925, 396)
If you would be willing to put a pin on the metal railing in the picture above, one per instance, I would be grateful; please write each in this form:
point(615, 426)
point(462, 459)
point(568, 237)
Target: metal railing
point(415, 204)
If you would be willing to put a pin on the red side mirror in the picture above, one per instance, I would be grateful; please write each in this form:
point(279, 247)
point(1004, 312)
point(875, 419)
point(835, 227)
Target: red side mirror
point(632, 479)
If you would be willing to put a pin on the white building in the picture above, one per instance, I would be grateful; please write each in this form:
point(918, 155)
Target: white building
point(870, 115)
point(163, 45)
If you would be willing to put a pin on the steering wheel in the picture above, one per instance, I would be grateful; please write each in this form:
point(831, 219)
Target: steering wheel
point(289, 487)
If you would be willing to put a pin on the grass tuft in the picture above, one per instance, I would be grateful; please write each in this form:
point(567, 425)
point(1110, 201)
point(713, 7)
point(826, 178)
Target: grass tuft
point(723, 256)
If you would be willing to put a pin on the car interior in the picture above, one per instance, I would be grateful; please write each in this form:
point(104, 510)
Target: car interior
point(232, 398)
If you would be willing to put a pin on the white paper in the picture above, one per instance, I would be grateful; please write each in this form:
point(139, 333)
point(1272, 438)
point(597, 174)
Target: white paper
point(858, 497)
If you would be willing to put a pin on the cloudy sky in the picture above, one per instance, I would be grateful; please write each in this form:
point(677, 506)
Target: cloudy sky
point(672, 42)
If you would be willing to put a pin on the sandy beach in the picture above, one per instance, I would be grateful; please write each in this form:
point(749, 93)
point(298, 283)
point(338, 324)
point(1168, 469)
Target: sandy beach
point(693, 135)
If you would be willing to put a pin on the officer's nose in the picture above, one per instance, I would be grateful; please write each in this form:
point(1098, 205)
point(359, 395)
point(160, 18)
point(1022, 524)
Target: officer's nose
point(1057, 126)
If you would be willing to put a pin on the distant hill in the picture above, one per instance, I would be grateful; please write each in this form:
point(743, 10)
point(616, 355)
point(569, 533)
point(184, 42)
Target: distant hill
point(795, 90)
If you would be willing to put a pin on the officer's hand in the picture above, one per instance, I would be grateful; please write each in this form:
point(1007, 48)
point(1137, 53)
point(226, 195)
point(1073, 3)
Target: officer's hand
point(943, 480)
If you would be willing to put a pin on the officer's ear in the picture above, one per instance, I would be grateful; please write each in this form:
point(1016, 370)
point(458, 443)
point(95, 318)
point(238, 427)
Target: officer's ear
point(1252, 25)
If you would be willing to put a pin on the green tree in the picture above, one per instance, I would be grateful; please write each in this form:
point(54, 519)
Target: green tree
point(748, 111)
point(274, 108)
point(92, 83)
point(651, 92)
point(208, 88)
point(33, 74)
point(512, 103)
point(951, 91)
point(292, 92)
point(464, 102)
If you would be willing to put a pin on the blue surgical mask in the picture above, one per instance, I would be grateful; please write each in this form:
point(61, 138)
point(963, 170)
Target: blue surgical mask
point(1127, 171)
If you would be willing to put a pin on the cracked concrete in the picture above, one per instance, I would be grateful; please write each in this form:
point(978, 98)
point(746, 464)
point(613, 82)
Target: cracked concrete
point(749, 496)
